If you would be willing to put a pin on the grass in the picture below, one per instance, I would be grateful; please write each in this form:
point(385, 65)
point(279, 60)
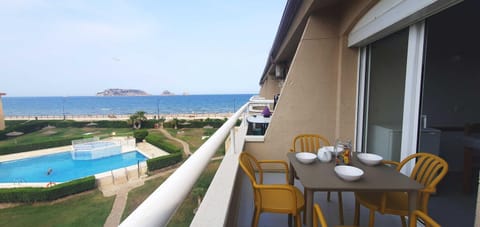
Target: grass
point(184, 214)
point(64, 133)
point(193, 136)
point(165, 139)
point(137, 195)
point(89, 209)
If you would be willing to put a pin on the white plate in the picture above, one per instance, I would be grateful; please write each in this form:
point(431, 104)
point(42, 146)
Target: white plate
point(306, 157)
point(348, 173)
point(370, 159)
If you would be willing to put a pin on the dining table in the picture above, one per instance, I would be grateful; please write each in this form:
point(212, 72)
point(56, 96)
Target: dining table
point(261, 120)
point(320, 176)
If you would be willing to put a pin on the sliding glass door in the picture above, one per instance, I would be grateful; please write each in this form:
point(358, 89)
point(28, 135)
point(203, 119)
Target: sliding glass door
point(384, 95)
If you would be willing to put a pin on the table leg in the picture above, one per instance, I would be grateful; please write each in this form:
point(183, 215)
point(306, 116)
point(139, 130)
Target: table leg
point(412, 202)
point(291, 182)
point(309, 207)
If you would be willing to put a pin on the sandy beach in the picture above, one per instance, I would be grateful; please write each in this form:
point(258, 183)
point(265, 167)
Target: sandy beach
point(112, 117)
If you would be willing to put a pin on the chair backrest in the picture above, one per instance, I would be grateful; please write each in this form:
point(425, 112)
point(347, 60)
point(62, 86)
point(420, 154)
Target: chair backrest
point(318, 217)
point(308, 143)
point(249, 164)
point(429, 170)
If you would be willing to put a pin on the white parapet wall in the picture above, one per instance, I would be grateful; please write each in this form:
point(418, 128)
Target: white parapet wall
point(158, 208)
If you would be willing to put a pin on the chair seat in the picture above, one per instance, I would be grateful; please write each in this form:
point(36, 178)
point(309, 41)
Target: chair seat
point(275, 201)
point(396, 202)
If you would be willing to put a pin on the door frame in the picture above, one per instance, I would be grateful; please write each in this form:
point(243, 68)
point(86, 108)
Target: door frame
point(412, 93)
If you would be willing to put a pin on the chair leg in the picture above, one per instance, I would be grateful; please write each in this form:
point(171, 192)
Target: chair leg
point(371, 222)
point(256, 218)
point(404, 222)
point(289, 220)
point(340, 207)
point(298, 222)
point(356, 218)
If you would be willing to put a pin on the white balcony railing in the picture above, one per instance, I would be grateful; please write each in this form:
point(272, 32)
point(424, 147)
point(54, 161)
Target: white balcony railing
point(158, 208)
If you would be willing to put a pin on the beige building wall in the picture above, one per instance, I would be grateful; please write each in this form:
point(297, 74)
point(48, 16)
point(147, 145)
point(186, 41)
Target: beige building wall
point(271, 87)
point(2, 117)
point(319, 93)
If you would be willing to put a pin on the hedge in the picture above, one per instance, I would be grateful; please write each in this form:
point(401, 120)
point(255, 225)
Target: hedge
point(112, 124)
point(15, 148)
point(30, 195)
point(159, 142)
point(149, 123)
point(140, 135)
point(163, 161)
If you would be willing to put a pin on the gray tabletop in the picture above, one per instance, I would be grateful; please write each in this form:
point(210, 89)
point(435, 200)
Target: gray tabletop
point(321, 176)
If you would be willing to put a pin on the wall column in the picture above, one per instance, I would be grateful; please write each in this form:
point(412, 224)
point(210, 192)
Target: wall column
point(2, 117)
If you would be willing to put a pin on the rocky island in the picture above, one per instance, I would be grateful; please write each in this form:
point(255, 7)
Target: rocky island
point(122, 92)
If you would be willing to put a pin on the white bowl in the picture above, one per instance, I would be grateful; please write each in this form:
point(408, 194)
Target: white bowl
point(306, 157)
point(330, 148)
point(348, 173)
point(370, 159)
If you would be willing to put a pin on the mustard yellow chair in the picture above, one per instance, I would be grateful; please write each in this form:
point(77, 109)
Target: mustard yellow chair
point(311, 143)
point(429, 170)
point(319, 217)
point(429, 222)
point(308, 143)
point(275, 198)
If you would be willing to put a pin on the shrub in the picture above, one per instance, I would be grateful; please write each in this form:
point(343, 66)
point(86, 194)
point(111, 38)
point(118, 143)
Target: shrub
point(29, 195)
point(149, 123)
point(163, 161)
point(15, 148)
point(158, 141)
point(140, 135)
point(112, 124)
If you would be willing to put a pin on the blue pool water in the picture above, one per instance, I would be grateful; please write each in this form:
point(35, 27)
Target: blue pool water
point(64, 168)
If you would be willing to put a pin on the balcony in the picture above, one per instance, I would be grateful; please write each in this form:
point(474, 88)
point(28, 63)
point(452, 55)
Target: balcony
point(229, 199)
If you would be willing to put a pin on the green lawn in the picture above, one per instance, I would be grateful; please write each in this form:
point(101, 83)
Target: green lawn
point(137, 195)
point(193, 136)
point(184, 214)
point(89, 209)
point(64, 133)
point(164, 138)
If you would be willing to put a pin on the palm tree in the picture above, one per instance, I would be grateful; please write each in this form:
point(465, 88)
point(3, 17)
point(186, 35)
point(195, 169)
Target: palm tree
point(137, 118)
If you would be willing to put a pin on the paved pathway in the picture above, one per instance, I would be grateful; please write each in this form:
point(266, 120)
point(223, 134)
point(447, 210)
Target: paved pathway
point(121, 195)
point(151, 150)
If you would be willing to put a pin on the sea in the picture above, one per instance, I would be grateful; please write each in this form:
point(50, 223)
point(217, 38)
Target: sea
point(105, 105)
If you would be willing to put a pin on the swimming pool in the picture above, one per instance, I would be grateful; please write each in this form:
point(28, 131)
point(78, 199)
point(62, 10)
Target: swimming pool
point(63, 167)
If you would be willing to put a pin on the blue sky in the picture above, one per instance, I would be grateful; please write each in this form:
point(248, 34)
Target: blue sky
point(70, 48)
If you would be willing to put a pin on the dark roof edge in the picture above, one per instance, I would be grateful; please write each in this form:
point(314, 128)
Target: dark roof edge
point(288, 15)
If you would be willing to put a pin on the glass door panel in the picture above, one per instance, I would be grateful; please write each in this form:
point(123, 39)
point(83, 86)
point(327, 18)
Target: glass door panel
point(384, 98)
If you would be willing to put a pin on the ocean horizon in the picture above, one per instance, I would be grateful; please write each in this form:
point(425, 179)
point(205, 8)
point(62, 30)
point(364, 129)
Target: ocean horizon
point(106, 105)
